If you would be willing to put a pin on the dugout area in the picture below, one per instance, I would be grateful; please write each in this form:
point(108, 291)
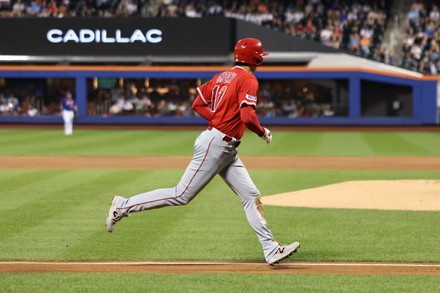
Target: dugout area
point(348, 96)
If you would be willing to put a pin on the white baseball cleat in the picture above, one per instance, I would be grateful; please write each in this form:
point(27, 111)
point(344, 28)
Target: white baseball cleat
point(283, 252)
point(114, 215)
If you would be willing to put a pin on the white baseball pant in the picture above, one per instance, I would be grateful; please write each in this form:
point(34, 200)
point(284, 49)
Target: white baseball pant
point(68, 116)
point(212, 156)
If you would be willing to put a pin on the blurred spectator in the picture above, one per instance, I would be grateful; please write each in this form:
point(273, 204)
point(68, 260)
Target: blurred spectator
point(171, 97)
point(121, 106)
point(355, 43)
point(420, 46)
point(3, 104)
point(10, 104)
point(191, 10)
point(413, 15)
point(146, 105)
point(126, 8)
point(326, 35)
point(355, 25)
point(18, 9)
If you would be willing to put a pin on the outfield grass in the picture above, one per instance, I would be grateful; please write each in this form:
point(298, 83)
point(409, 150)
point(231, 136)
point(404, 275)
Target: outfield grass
point(164, 143)
point(59, 214)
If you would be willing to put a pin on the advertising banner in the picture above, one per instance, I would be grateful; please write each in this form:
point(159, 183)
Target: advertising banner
point(125, 37)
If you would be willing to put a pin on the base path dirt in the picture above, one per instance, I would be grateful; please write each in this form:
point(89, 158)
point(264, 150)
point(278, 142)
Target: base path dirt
point(221, 267)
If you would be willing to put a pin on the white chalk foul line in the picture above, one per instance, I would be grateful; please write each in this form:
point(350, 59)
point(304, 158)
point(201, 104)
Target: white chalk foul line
point(158, 263)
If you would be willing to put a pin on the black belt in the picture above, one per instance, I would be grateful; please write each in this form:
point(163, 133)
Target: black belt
point(229, 139)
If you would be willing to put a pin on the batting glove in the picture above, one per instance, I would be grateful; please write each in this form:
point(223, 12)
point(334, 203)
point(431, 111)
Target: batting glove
point(267, 136)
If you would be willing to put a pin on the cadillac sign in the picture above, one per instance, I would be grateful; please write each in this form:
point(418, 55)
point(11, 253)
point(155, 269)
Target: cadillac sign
point(84, 36)
point(131, 37)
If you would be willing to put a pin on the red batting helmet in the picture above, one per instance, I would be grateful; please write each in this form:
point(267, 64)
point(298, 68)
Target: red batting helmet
point(249, 51)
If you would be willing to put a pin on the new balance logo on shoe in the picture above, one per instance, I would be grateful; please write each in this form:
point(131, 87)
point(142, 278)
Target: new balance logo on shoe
point(283, 252)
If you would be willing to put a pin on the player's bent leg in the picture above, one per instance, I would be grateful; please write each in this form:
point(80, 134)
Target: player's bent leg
point(259, 225)
point(155, 199)
point(274, 252)
point(200, 171)
point(182, 194)
point(122, 207)
point(238, 179)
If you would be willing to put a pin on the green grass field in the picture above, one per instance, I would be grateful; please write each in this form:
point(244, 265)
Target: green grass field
point(59, 214)
point(33, 142)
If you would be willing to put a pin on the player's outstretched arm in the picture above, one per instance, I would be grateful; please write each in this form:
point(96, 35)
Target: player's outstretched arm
point(250, 119)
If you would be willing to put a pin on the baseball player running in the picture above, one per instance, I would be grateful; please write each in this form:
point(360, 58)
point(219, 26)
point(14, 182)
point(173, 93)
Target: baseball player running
point(228, 103)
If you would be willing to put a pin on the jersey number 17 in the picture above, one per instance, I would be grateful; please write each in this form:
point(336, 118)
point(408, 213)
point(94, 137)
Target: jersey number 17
point(217, 95)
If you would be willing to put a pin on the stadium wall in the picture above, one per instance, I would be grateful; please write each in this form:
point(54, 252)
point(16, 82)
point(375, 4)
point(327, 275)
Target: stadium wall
point(366, 90)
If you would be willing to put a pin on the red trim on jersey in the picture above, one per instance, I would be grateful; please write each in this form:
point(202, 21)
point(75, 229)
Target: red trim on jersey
point(250, 119)
point(201, 96)
point(244, 103)
point(186, 188)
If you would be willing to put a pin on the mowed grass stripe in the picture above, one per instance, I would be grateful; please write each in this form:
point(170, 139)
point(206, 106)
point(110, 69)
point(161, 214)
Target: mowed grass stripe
point(284, 143)
point(82, 143)
point(17, 137)
point(361, 235)
point(22, 188)
point(31, 205)
point(343, 144)
point(429, 142)
point(65, 221)
point(51, 210)
point(165, 143)
point(68, 221)
point(88, 238)
point(393, 144)
point(98, 143)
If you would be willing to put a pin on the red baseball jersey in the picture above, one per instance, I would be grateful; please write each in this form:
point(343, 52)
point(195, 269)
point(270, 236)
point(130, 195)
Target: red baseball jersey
point(226, 93)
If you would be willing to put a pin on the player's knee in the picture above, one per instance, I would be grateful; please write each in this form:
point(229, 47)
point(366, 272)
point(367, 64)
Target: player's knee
point(249, 194)
point(184, 200)
point(184, 197)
